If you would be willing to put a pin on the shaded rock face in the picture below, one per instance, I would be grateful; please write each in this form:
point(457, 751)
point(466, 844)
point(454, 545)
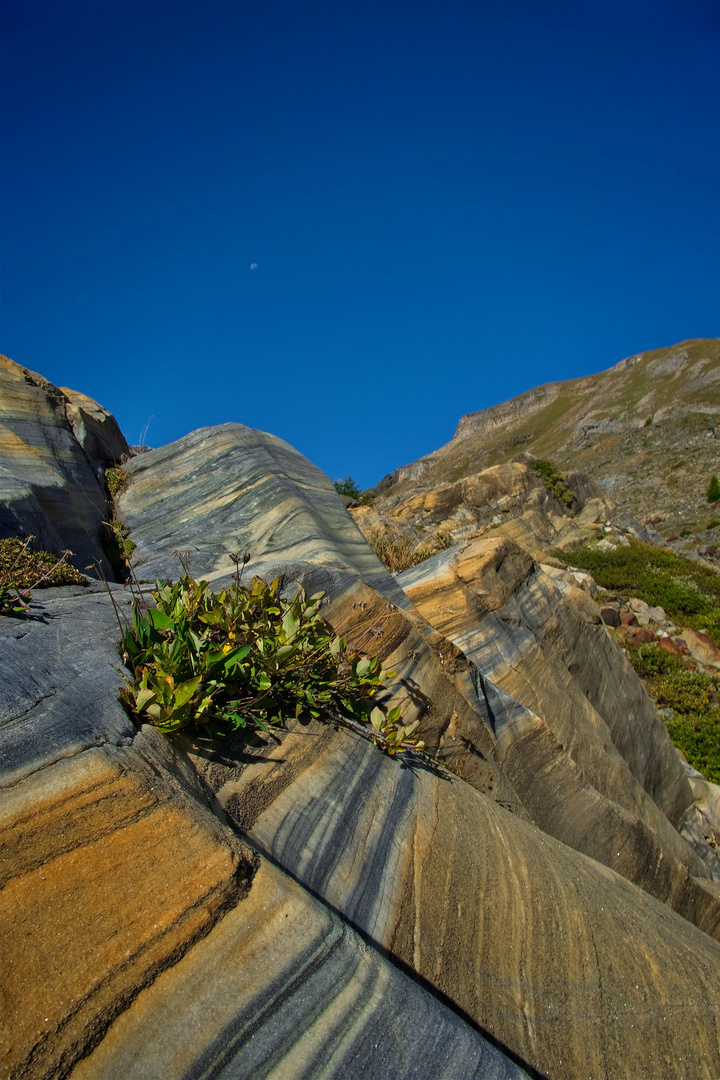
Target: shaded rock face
point(54, 447)
point(316, 909)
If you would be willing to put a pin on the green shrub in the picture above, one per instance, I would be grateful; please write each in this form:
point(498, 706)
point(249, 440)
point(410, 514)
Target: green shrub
point(349, 488)
point(117, 480)
point(553, 480)
point(115, 537)
point(243, 659)
point(699, 739)
point(23, 569)
point(650, 661)
point(694, 725)
point(713, 491)
point(685, 691)
point(689, 592)
point(117, 545)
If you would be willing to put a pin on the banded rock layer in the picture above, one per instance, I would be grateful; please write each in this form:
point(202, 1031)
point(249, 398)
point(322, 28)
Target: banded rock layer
point(54, 447)
point(315, 908)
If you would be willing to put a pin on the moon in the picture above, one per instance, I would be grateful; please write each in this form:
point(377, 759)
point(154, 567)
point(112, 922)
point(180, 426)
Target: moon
point(253, 266)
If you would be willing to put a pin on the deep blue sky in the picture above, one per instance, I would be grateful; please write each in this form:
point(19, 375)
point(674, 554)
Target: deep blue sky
point(448, 203)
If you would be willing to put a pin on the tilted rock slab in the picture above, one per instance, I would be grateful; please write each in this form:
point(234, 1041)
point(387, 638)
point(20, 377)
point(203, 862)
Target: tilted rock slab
point(119, 885)
point(595, 767)
point(575, 969)
point(559, 959)
point(54, 447)
point(233, 489)
point(577, 735)
point(283, 988)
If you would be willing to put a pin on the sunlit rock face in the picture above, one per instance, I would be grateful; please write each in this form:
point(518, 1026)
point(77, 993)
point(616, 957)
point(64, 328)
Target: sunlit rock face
point(54, 447)
point(122, 890)
point(577, 735)
point(174, 910)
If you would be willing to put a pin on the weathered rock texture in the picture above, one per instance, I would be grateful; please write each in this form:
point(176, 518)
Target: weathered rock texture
point(504, 499)
point(114, 867)
point(591, 762)
point(390, 914)
point(560, 958)
point(54, 447)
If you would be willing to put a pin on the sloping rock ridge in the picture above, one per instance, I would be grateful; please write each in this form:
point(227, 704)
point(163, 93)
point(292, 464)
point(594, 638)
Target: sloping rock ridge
point(645, 431)
point(316, 908)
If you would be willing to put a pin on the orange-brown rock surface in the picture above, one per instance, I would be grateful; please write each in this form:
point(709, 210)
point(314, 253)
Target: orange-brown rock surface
point(174, 910)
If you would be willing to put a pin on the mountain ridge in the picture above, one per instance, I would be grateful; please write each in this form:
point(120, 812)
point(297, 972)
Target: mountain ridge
point(633, 428)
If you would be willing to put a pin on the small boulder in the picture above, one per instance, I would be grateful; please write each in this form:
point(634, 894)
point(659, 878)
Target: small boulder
point(641, 635)
point(585, 581)
point(628, 618)
point(606, 545)
point(641, 609)
point(701, 647)
point(675, 648)
point(610, 616)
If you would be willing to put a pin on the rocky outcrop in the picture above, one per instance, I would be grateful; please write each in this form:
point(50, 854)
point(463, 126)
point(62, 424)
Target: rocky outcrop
point(645, 431)
point(593, 766)
point(510, 500)
point(115, 868)
point(315, 908)
point(54, 447)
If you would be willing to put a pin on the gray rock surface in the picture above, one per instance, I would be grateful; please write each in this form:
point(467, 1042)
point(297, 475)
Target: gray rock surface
point(173, 911)
point(54, 446)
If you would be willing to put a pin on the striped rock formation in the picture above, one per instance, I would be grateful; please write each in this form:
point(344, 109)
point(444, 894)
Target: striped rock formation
point(54, 447)
point(316, 909)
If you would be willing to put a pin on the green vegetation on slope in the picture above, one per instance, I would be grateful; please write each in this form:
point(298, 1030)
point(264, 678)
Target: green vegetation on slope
point(553, 480)
point(694, 725)
point(245, 659)
point(690, 595)
point(23, 569)
point(349, 488)
point(689, 592)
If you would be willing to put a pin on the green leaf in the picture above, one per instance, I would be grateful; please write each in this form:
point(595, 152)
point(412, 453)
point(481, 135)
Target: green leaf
point(160, 620)
point(377, 719)
point(284, 652)
point(185, 690)
point(394, 715)
point(363, 667)
point(143, 698)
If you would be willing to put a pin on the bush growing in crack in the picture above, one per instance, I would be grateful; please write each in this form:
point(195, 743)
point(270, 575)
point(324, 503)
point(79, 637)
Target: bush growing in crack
point(246, 659)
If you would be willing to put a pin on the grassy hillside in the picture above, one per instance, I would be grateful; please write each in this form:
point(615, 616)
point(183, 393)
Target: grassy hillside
point(644, 429)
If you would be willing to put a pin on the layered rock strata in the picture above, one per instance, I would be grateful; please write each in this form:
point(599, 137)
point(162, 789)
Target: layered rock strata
point(178, 910)
point(594, 767)
point(54, 447)
point(120, 885)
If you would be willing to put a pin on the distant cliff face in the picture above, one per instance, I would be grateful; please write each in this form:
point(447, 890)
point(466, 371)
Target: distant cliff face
point(284, 906)
point(647, 431)
point(509, 412)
